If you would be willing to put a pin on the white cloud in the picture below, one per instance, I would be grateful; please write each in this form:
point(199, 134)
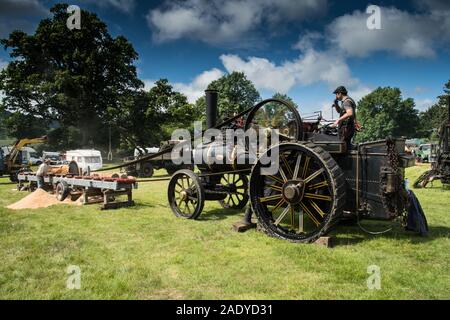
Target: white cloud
point(126, 6)
point(403, 33)
point(424, 104)
point(199, 84)
point(226, 21)
point(148, 84)
point(309, 68)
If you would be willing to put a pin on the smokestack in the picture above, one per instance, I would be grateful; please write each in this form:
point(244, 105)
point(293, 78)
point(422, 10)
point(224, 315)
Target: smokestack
point(211, 107)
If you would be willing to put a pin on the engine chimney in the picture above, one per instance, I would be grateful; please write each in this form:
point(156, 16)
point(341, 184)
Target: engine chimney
point(211, 107)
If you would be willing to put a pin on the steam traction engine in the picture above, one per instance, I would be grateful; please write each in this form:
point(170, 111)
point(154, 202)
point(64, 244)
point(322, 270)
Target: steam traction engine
point(318, 181)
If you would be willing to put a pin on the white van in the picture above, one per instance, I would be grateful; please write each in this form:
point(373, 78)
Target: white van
point(29, 155)
point(86, 159)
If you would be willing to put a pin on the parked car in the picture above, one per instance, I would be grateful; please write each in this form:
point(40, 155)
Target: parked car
point(424, 152)
point(55, 157)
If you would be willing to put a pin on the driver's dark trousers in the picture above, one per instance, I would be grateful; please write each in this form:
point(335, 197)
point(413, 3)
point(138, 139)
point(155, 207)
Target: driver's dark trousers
point(346, 133)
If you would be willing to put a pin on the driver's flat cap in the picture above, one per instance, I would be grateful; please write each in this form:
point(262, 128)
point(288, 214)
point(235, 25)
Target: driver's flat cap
point(341, 89)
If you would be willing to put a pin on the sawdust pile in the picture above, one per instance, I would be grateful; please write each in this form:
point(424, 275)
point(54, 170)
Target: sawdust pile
point(40, 199)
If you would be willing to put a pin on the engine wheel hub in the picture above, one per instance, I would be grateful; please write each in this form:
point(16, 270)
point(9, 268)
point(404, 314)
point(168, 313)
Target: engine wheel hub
point(293, 191)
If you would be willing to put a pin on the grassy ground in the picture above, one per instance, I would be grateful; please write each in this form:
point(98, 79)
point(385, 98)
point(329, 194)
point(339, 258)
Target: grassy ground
point(145, 252)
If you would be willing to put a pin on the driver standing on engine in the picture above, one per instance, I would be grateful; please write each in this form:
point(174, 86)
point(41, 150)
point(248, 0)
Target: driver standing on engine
point(346, 121)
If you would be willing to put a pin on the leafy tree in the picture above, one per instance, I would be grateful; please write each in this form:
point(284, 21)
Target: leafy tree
point(77, 77)
point(384, 113)
point(150, 117)
point(285, 97)
point(21, 126)
point(433, 118)
point(236, 94)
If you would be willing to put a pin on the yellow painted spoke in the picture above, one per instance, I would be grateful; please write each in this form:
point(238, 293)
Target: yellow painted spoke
point(316, 207)
point(279, 204)
point(274, 187)
point(283, 175)
point(270, 198)
point(300, 221)
point(309, 214)
point(317, 196)
point(297, 167)
point(292, 217)
point(318, 185)
point(305, 168)
point(282, 215)
point(286, 164)
point(314, 175)
point(276, 179)
point(188, 208)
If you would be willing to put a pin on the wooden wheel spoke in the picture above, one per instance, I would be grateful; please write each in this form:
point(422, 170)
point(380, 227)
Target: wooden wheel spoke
point(275, 187)
point(188, 208)
point(279, 204)
point(317, 196)
point(318, 185)
point(282, 215)
point(297, 166)
point(306, 167)
point(309, 214)
point(317, 208)
point(274, 178)
point(270, 198)
point(283, 175)
point(292, 216)
point(314, 175)
point(286, 164)
point(300, 221)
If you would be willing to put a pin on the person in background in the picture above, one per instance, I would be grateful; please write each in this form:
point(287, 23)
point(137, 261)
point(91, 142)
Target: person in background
point(42, 171)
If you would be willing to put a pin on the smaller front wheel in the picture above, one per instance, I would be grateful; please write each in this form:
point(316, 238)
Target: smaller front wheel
point(186, 194)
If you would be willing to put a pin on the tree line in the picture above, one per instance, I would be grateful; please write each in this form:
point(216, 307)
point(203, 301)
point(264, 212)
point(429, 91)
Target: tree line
point(80, 87)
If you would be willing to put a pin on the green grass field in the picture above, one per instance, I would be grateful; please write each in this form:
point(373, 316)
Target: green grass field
point(145, 252)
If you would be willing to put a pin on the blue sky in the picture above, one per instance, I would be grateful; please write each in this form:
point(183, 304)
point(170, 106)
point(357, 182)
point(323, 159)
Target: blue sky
point(302, 48)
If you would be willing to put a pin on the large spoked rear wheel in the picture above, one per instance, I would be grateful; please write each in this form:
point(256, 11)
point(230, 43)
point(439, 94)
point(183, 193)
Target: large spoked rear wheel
point(186, 194)
point(303, 198)
point(237, 191)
